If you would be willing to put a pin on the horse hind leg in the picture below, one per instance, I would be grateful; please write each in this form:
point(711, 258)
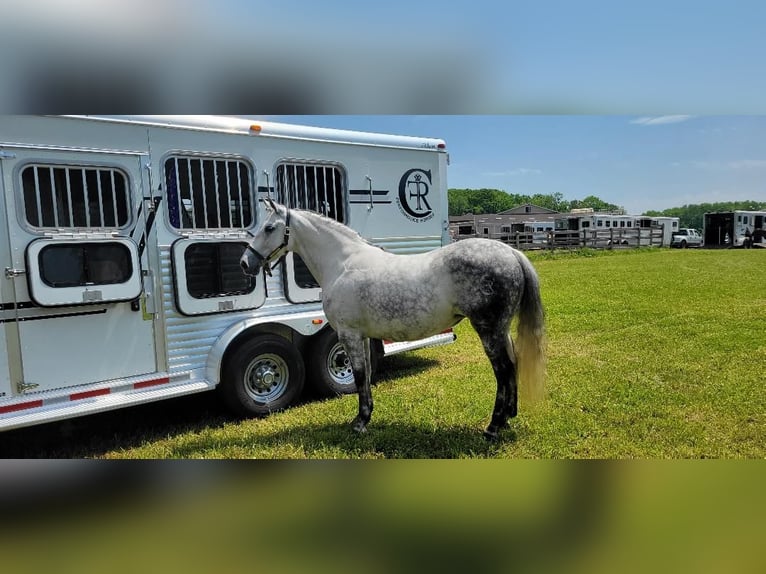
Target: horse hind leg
point(499, 350)
point(358, 350)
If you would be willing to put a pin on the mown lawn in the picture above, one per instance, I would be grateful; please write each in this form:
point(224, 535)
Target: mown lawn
point(652, 354)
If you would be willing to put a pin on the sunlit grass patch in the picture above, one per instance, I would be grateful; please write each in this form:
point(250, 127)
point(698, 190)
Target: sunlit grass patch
point(651, 354)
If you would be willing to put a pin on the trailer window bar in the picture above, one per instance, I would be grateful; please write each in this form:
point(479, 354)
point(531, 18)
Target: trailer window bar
point(75, 197)
point(208, 193)
point(312, 186)
point(315, 187)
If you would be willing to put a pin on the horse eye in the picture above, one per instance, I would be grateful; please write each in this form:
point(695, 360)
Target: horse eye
point(269, 228)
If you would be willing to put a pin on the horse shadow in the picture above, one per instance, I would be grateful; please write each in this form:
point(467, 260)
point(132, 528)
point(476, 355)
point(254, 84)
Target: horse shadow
point(382, 439)
point(96, 436)
point(100, 434)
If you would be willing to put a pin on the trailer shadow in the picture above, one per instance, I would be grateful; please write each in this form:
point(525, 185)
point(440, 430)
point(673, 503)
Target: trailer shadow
point(98, 435)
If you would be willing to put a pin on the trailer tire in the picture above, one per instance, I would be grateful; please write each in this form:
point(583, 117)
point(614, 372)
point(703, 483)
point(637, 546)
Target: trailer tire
point(329, 368)
point(263, 375)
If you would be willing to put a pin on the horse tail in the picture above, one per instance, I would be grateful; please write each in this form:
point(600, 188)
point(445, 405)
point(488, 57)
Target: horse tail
point(530, 338)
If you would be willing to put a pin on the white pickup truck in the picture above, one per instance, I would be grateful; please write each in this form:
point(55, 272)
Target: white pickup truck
point(686, 237)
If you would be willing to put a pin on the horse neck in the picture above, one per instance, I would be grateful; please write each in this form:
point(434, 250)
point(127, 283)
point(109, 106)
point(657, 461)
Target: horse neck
point(323, 244)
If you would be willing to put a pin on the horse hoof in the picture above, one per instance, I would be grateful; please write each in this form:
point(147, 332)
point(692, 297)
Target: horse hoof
point(359, 426)
point(491, 435)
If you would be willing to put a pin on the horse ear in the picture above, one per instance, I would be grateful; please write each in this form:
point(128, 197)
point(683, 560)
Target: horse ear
point(271, 203)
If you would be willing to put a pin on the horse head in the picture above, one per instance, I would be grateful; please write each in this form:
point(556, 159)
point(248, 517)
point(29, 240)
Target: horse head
point(269, 242)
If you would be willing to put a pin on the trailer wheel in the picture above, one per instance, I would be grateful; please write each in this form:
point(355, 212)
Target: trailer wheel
point(264, 375)
point(329, 367)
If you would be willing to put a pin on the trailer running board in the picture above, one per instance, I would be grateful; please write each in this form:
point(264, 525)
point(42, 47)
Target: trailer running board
point(33, 410)
point(392, 348)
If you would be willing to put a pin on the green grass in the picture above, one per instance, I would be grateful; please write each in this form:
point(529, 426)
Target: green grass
point(652, 354)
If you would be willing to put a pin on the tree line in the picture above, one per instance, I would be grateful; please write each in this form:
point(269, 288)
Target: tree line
point(463, 201)
point(476, 201)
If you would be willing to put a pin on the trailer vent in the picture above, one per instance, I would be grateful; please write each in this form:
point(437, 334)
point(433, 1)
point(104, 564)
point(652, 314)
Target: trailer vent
point(75, 197)
point(208, 193)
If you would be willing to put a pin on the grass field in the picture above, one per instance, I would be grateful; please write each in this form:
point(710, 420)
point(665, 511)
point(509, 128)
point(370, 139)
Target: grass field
point(652, 354)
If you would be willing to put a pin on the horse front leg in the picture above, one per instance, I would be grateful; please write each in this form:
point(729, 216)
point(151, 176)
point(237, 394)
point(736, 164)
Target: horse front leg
point(358, 350)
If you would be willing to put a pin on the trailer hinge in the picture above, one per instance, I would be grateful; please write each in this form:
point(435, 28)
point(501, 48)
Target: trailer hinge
point(7, 154)
point(23, 387)
point(11, 273)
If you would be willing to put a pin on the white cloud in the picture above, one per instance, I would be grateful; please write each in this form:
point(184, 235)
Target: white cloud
point(660, 120)
point(747, 164)
point(514, 172)
point(738, 164)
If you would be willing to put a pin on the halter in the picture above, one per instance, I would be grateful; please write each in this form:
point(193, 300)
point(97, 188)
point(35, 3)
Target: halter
point(265, 261)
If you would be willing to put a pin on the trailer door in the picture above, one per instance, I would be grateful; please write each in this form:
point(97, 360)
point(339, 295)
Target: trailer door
point(77, 225)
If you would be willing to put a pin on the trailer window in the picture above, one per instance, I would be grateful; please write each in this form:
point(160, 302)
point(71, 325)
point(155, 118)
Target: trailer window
point(68, 196)
point(213, 270)
point(312, 186)
point(82, 264)
point(208, 193)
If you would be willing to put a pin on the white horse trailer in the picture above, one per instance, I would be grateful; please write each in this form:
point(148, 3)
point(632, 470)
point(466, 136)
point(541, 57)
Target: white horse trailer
point(669, 225)
point(121, 243)
point(732, 228)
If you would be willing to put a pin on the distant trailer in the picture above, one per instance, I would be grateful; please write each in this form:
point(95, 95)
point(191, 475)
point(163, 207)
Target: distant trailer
point(731, 228)
point(582, 225)
point(669, 226)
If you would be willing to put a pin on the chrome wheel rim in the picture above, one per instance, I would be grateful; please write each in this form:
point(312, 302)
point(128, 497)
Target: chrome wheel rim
point(339, 366)
point(266, 378)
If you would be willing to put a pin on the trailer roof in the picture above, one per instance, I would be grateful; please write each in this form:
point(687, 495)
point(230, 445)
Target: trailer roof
point(242, 125)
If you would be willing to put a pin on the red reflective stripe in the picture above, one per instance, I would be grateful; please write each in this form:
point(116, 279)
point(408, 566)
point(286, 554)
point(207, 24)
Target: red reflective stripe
point(87, 394)
point(152, 383)
point(21, 406)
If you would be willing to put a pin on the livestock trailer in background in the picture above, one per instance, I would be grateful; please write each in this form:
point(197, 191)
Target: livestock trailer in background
point(730, 228)
point(588, 227)
point(121, 240)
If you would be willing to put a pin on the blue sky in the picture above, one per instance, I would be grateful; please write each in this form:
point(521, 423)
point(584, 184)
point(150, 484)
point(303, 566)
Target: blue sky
point(605, 57)
point(574, 78)
point(639, 162)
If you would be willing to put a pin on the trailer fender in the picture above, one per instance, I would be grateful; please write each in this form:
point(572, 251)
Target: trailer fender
point(307, 324)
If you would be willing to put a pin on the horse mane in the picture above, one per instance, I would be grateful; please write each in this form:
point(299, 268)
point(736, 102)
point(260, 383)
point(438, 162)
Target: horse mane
point(336, 225)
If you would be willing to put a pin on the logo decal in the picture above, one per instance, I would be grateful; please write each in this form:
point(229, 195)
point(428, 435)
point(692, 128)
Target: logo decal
point(413, 201)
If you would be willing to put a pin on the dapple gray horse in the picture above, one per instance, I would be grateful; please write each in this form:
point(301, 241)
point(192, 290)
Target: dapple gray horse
point(370, 293)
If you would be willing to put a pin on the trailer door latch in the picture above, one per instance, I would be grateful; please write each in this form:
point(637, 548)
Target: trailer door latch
point(11, 273)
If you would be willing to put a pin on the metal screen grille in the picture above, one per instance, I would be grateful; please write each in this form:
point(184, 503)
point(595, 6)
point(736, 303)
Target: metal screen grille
point(65, 197)
point(313, 187)
point(206, 193)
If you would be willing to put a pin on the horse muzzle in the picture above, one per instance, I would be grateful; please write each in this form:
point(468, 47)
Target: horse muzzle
point(252, 262)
